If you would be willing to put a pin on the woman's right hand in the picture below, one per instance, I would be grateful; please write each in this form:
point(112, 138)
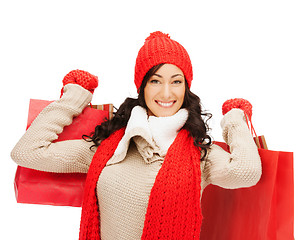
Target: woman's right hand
point(82, 78)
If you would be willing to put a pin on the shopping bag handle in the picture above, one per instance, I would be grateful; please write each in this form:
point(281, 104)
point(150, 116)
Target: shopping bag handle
point(259, 140)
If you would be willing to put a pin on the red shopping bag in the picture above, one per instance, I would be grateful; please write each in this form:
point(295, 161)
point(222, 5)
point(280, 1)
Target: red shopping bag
point(262, 212)
point(59, 189)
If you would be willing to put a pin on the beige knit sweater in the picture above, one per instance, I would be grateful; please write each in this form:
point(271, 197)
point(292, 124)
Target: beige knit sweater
point(125, 183)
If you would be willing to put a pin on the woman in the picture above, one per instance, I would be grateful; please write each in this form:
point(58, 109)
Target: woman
point(148, 166)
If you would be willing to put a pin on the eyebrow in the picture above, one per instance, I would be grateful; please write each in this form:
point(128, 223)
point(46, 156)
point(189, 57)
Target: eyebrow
point(175, 75)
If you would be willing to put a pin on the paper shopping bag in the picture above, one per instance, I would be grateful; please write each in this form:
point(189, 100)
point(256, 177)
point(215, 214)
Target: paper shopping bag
point(262, 212)
point(60, 189)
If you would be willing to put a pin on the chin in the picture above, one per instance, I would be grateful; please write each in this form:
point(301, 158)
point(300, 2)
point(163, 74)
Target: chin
point(164, 113)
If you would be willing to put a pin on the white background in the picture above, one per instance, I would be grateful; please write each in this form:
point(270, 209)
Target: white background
point(251, 49)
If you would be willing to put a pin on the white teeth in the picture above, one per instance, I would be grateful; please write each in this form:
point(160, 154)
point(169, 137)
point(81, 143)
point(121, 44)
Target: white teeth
point(165, 104)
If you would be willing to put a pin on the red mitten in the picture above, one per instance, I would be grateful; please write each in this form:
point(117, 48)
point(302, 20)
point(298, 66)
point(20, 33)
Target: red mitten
point(82, 78)
point(237, 103)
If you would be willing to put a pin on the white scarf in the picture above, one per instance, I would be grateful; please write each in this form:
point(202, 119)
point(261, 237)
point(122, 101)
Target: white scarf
point(152, 135)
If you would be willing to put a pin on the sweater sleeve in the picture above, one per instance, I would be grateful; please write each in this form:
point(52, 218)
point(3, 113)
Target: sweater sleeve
point(36, 148)
point(241, 167)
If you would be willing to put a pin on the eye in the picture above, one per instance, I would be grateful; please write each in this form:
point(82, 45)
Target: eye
point(154, 81)
point(177, 82)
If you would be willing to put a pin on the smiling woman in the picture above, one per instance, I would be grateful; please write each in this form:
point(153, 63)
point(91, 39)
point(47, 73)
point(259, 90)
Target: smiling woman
point(148, 165)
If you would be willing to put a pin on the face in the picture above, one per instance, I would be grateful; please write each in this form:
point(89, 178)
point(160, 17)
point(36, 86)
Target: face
point(165, 90)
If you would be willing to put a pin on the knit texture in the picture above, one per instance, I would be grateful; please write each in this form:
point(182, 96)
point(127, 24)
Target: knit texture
point(82, 78)
point(90, 221)
point(244, 105)
point(174, 210)
point(160, 48)
point(237, 103)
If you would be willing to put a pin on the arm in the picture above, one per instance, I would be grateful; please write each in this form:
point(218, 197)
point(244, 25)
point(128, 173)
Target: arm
point(36, 148)
point(241, 167)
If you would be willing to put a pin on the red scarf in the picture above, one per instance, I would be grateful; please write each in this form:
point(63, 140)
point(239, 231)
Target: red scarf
point(174, 210)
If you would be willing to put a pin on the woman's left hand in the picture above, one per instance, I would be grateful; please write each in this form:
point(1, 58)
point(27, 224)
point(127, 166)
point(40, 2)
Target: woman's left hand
point(240, 103)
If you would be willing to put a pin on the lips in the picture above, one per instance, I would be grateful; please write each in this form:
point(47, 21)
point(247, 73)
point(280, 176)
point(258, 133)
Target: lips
point(165, 104)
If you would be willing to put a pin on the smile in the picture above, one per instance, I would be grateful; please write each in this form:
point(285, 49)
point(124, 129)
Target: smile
point(165, 104)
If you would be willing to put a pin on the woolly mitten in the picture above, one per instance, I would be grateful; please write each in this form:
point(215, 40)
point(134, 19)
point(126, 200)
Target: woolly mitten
point(82, 78)
point(240, 103)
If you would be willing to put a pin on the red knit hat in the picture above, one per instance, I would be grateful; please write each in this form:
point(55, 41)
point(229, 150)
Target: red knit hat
point(160, 48)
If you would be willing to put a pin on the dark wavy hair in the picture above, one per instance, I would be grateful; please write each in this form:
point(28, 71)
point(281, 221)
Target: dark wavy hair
point(196, 123)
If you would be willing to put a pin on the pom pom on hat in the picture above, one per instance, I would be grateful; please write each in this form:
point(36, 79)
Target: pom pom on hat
point(160, 48)
point(156, 34)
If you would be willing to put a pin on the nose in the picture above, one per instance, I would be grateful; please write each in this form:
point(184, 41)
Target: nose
point(166, 91)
